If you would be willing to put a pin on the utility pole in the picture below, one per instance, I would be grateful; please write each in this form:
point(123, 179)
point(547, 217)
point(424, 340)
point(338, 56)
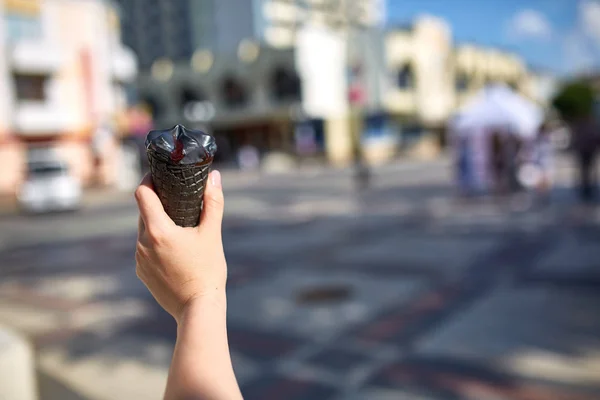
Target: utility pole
point(347, 19)
point(350, 25)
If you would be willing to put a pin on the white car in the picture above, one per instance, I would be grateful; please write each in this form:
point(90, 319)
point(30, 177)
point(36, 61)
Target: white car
point(49, 187)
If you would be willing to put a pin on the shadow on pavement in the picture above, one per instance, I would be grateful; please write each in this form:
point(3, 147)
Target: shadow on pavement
point(450, 300)
point(51, 388)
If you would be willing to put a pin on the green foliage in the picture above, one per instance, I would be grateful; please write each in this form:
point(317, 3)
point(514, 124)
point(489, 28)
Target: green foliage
point(575, 100)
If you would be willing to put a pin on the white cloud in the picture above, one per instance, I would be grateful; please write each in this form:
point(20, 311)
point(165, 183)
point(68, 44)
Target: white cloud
point(581, 46)
point(531, 24)
point(589, 19)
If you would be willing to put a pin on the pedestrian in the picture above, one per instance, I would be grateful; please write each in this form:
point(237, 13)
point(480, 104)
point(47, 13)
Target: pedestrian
point(362, 172)
point(513, 153)
point(185, 270)
point(585, 146)
point(248, 158)
point(464, 166)
point(543, 159)
point(498, 162)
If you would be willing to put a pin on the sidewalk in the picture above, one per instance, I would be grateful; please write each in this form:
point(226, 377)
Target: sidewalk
point(380, 298)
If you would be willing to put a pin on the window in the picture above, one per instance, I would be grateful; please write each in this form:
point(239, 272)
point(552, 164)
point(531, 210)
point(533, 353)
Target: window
point(22, 27)
point(285, 84)
point(30, 87)
point(190, 95)
point(46, 169)
point(234, 94)
point(462, 82)
point(405, 77)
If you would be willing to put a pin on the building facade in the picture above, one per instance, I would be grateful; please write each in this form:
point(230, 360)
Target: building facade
point(429, 77)
point(175, 30)
point(279, 21)
point(340, 75)
point(62, 77)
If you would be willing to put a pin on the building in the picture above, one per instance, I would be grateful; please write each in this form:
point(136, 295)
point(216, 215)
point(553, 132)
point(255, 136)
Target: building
point(242, 100)
point(478, 66)
point(175, 30)
point(428, 77)
point(62, 79)
point(431, 77)
point(336, 74)
point(244, 69)
point(167, 29)
point(419, 72)
point(278, 21)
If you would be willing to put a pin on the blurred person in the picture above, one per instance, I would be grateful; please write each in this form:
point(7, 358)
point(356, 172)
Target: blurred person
point(139, 121)
point(513, 153)
point(464, 166)
point(304, 135)
point(543, 159)
point(248, 158)
point(498, 162)
point(481, 172)
point(362, 172)
point(100, 146)
point(585, 146)
point(186, 272)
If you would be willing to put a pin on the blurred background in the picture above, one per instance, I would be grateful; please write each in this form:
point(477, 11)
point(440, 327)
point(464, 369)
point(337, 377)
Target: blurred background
point(411, 201)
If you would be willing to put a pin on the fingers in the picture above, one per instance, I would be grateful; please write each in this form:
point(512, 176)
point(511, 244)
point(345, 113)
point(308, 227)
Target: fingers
point(141, 226)
point(152, 213)
point(212, 213)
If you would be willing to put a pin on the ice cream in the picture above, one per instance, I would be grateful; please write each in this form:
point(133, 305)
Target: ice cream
point(180, 161)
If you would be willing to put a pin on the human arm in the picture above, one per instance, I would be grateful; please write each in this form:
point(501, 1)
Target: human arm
point(186, 271)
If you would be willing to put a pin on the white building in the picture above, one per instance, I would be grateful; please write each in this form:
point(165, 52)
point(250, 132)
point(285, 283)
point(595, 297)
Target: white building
point(346, 77)
point(62, 72)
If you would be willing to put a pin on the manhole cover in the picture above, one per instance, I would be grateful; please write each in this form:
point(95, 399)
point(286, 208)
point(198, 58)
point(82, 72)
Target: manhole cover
point(324, 294)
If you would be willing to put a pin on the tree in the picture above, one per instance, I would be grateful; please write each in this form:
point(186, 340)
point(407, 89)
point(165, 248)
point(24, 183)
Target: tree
point(575, 100)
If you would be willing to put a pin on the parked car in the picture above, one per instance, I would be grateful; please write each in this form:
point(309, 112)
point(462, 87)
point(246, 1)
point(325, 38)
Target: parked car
point(49, 187)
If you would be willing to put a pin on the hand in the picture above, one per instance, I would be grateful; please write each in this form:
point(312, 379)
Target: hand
point(180, 265)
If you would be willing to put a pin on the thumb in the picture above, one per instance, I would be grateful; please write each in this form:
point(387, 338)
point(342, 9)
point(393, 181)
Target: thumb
point(212, 213)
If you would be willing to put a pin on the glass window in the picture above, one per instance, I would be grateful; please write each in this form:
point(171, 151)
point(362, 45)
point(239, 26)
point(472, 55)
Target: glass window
point(22, 27)
point(30, 87)
point(462, 82)
point(46, 169)
point(405, 77)
point(234, 94)
point(190, 95)
point(285, 84)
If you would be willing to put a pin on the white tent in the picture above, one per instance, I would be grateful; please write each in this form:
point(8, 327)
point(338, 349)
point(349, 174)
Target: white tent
point(499, 107)
point(526, 116)
point(495, 109)
point(479, 115)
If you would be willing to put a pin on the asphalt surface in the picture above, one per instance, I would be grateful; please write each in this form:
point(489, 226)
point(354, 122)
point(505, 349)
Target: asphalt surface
point(398, 292)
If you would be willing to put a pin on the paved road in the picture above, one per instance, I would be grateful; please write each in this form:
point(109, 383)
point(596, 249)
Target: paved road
point(398, 292)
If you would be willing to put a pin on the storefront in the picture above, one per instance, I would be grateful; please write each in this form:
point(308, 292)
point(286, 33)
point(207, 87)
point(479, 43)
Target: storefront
point(380, 138)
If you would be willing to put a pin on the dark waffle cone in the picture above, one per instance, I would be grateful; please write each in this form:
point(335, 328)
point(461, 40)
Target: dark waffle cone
point(180, 189)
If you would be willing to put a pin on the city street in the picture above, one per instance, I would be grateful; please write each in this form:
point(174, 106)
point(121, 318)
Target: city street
point(399, 292)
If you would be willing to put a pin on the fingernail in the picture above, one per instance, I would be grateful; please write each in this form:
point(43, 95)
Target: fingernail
point(215, 178)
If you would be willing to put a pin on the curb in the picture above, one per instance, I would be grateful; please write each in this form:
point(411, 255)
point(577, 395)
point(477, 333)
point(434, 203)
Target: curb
point(17, 367)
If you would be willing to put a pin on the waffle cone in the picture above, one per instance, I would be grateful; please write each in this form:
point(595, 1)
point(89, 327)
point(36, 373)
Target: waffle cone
point(180, 188)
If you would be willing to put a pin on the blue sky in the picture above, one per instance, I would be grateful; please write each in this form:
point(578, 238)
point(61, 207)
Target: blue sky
point(562, 36)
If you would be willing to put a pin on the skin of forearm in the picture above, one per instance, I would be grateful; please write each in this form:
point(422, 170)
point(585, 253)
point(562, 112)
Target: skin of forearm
point(201, 367)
